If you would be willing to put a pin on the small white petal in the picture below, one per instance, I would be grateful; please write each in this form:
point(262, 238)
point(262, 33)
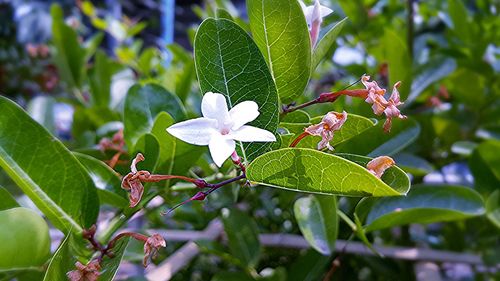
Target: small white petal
point(250, 134)
point(195, 131)
point(221, 148)
point(214, 106)
point(243, 113)
point(325, 11)
point(308, 13)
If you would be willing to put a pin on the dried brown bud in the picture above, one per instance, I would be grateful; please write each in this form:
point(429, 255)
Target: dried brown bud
point(151, 247)
point(89, 272)
point(378, 165)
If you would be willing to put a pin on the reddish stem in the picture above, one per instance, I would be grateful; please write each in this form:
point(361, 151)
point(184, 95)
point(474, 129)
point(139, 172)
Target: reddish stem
point(298, 139)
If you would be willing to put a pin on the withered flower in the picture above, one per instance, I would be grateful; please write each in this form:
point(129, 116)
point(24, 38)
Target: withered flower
point(89, 272)
point(151, 247)
point(378, 165)
point(132, 181)
point(330, 123)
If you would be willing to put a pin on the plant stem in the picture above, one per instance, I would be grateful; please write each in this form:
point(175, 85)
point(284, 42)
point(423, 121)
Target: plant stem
point(298, 139)
point(347, 220)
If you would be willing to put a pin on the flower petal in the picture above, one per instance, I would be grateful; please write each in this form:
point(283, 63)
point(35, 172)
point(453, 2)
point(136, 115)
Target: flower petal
point(243, 113)
point(214, 106)
point(221, 148)
point(195, 131)
point(250, 134)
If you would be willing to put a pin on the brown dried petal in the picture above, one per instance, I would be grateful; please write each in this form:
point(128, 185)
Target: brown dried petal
point(151, 247)
point(89, 272)
point(378, 165)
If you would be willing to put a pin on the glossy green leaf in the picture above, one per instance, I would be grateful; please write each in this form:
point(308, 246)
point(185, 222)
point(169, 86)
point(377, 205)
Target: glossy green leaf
point(176, 157)
point(41, 109)
point(317, 218)
point(106, 180)
point(26, 240)
point(45, 170)
point(354, 125)
point(62, 262)
point(374, 142)
point(143, 104)
point(423, 204)
point(398, 61)
point(243, 236)
point(149, 146)
point(280, 30)
point(493, 208)
point(228, 62)
point(70, 55)
point(326, 43)
point(312, 171)
point(7, 201)
point(297, 116)
point(485, 166)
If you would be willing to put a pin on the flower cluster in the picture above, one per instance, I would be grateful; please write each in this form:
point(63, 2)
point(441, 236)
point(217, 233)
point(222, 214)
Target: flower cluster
point(380, 104)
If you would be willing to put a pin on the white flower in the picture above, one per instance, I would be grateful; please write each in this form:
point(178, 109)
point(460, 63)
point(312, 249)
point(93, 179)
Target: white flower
point(219, 127)
point(315, 12)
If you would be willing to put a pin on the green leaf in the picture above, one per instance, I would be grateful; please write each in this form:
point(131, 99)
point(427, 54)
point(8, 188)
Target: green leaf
point(317, 219)
point(243, 236)
point(149, 146)
point(228, 62)
point(142, 105)
point(45, 170)
point(312, 171)
point(326, 43)
point(297, 116)
point(493, 208)
point(354, 125)
point(110, 265)
point(428, 74)
point(423, 204)
point(65, 258)
point(176, 157)
point(92, 44)
point(485, 166)
point(26, 240)
point(7, 201)
point(100, 79)
point(70, 56)
point(41, 109)
point(106, 180)
point(309, 267)
point(280, 30)
point(413, 164)
point(62, 262)
point(399, 62)
point(374, 142)
point(461, 21)
point(223, 14)
point(231, 276)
